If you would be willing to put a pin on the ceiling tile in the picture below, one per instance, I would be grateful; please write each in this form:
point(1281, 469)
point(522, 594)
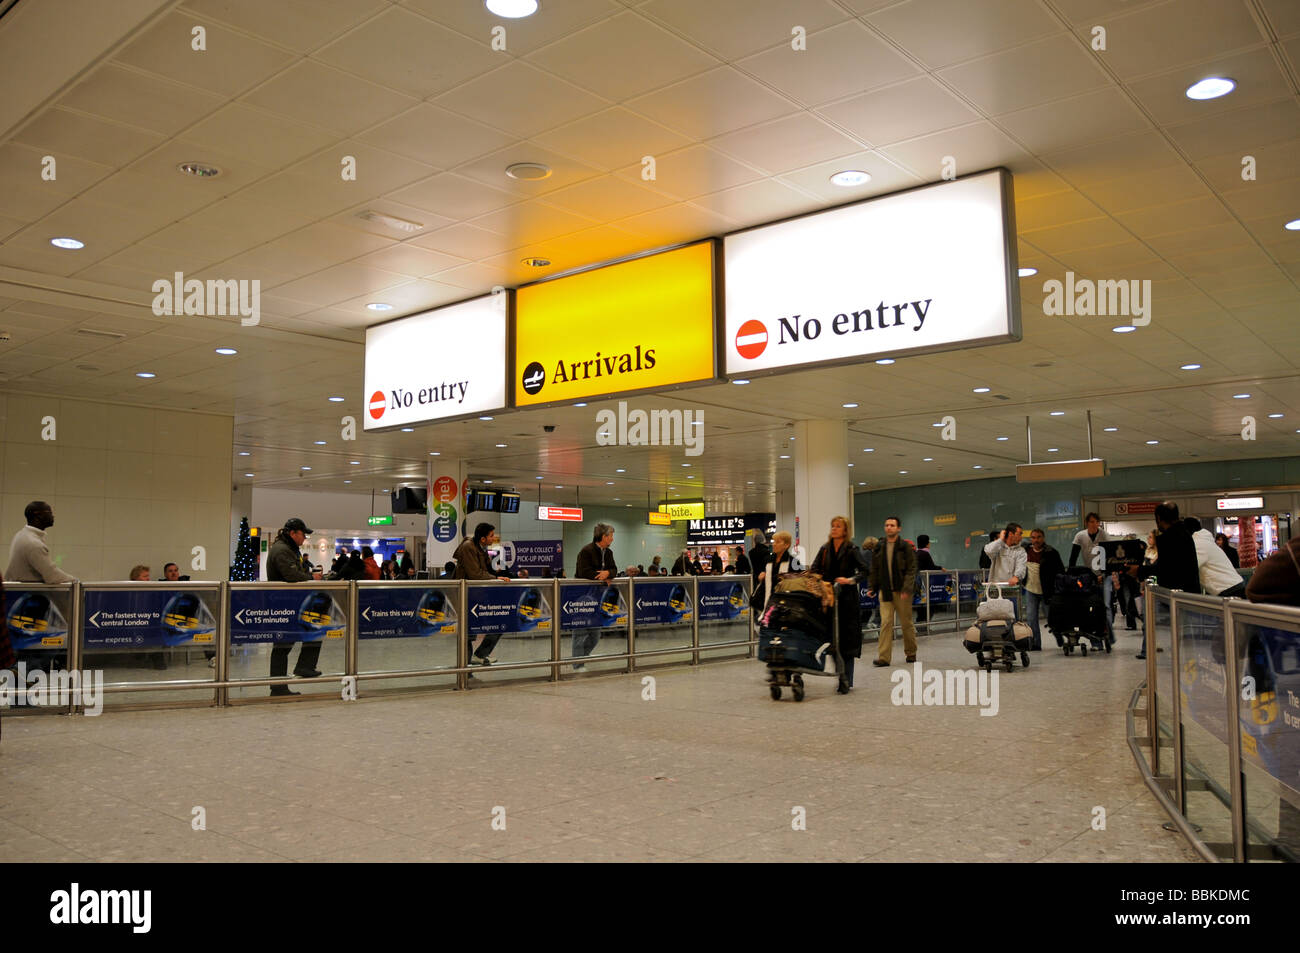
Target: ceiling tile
point(454, 197)
point(1063, 238)
point(330, 98)
point(786, 144)
point(1143, 189)
point(410, 260)
point(1160, 38)
point(22, 166)
point(611, 139)
point(1260, 199)
point(61, 132)
point(491, 170)
point(340, 283)
point(404, 51)
point(520, 99)
point(521, 36)
point(301, 25)
point(1077, 121)
point(837, 62)
point(1271, 162)
point(1252, 127)
point(1177, 216)
point(762, 201)
point(681, 222)
point(1028, 75)
point(1114, 158)
point(971, 28)
point(902, 111)
point(125, 95)
point(694, 171)
point(622, 56)
point(712, 103)
point(465, 241)
point(1056, 209)
point(607, 197)
point(435, 136)
point(1258, 81)
point(534, 221)
point(885, 177)
point(975, 147)
point(735, 28)
point(232, 62)
point(268, 140)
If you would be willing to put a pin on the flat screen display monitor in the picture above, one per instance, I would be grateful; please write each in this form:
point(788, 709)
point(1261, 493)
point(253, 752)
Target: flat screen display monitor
point(509, 502)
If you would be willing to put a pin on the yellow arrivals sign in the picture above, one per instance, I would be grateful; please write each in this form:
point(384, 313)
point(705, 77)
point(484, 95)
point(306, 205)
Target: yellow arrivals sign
point(683, 511)
point(639, 324)
point(945, 519)
point(659, 519)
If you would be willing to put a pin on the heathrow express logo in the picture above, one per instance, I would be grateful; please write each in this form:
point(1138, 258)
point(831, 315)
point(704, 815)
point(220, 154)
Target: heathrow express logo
point(752, 337)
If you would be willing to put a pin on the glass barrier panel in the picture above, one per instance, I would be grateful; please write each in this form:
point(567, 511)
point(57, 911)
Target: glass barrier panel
point(1204, 721)
point(723, 608)
point(1163, 640)
point(970, 582)
point(942, 588)
point(868, 610)
point(39, 617)
point(406, 627)
point(287, 628)
point(1269, 661)
point(143, 632)
point(663, 614)
point(593, 622)
point(508, 622)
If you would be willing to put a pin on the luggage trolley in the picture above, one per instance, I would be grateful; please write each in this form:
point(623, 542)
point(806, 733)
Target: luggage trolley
point(996, 638)
point(795, 639)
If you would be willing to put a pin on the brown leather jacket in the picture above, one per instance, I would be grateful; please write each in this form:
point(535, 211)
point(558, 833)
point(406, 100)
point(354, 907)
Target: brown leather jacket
point(1277, 579)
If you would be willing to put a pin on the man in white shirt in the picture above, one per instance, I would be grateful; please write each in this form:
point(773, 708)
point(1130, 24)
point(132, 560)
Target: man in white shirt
point(1009, 560)
point(1218, 577)
point(29, 555)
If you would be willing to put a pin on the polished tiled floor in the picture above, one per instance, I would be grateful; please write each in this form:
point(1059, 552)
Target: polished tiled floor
point(587, 769)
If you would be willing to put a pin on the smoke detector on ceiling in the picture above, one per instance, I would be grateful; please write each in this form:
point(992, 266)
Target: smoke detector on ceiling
point(97, 333)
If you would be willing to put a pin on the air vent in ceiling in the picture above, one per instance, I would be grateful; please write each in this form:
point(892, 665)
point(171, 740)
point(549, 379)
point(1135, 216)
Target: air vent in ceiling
point(96, 333)
point(1001, 397)
point(390, 221)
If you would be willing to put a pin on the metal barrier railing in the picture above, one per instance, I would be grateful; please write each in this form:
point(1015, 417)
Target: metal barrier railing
point(1222, 696)
point(342, 627)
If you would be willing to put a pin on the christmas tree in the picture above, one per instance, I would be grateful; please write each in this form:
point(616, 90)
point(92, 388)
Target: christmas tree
point(245, 567)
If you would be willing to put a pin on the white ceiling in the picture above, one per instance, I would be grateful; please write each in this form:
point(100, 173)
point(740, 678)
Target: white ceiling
point(1117, 175)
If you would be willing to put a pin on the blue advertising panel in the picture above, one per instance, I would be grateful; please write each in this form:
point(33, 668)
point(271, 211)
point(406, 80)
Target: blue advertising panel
point(592, 607)
point(506, 608)
point(133, 618)
point(36, 620)
point(661, 603)
point(969, 583)
point(722, 600)
point(284, 615)
point(405, 613)
point(865, 601)
point(1270, 721)
point(941, 588)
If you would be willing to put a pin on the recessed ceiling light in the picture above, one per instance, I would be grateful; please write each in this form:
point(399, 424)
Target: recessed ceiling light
point(512, 9)
point(500, 445)
point(1057, 413)
point(1240, 396)
point(198, 169)
point(581, 404)
point(145, 374)
point(902, 471)
point(923, 460)
point(529, 171)
point(1152, 443)
point(977, 467)
point(740, 380)
point(1190, 367)
point(485, 417)
point(244, 453)
point(686, 464)
point(937, 423)
point(861, 483)
point(1293, 225)
point(538, 478)
point(67, 243)
point(304, 468)
point(355, 463)
point(559, 488)
point(982, 390)
point(379, 306)
point(1110, 429)
point(850, 464)
point(227, 351)
point(619, 470)
point(487, 481)
point(320, 443)
point(749, 483)
point(609, 483)
point(1004, 438)
point(885, 360)
point(1027, 272)
point(868, 449)
point(336, 400)
point(850, 177)
point(785, 456)
point(408, 430)
point(848, 406)
point(1124, 329)
point(347, 481)
point(1211, 88)
point(1274, 416)
point(1053, 450)
point(248, 474)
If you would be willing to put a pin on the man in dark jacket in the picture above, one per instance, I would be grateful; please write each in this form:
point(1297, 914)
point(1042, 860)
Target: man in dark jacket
point(758, 558)
point(1043, 564)
point(715, 564)
point(595, 562)
point(284, 564)
point(1175, 566)
point(1276, 580)
point(472, 562)
point(893, 578)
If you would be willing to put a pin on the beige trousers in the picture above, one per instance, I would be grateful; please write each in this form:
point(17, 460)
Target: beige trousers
point(902, 607)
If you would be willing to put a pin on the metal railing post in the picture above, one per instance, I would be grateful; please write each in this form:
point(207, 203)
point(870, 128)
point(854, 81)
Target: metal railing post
point(631, 624)
point(351, 645)
point(1236, 782)
point(222, 646)
point(555, 629)
point(462, 637)
point(1153, 696)
point(1176, 703)
point(695, 620)
point(76, 632)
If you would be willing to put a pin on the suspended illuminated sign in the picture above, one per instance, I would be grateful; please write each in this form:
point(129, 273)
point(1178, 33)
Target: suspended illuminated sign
point(1241, 503)
point(635, 325)
point(930, 269)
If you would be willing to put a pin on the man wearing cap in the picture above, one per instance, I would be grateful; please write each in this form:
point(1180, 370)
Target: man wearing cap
point(284, 564)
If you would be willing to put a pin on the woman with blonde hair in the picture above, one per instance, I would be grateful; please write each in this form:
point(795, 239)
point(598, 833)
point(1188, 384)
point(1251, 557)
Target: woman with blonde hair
point(839, 561)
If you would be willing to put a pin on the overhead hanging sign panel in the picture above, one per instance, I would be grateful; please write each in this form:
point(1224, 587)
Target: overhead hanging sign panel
point(931, 269)
point(639, 324)
point(436, 365)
